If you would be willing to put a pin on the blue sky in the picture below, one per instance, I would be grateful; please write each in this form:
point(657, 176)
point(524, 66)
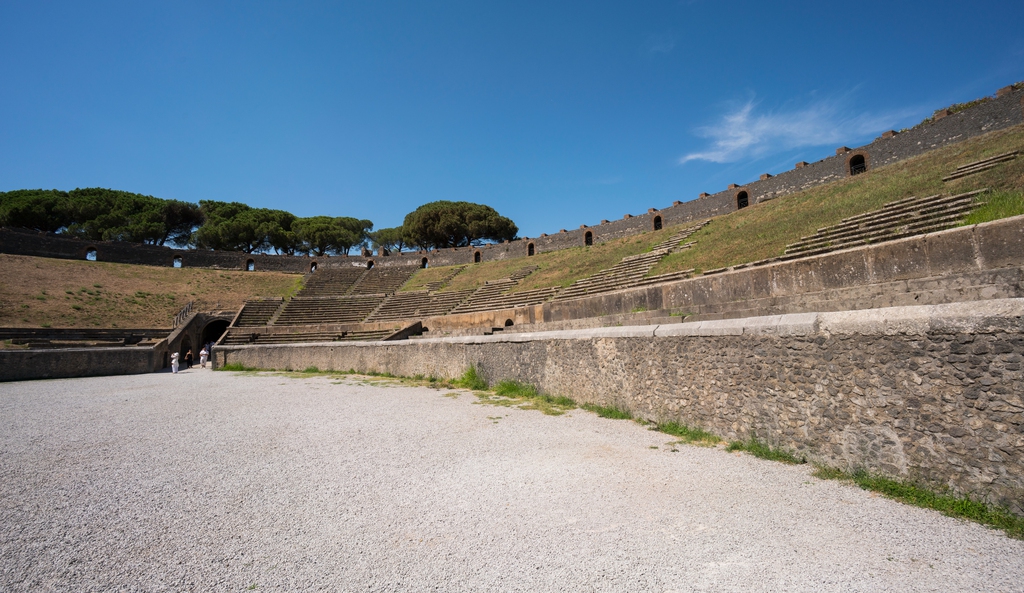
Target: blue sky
point(555, 113)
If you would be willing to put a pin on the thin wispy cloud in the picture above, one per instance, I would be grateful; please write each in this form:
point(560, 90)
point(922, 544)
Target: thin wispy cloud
point(660, 44)
point(748, 132)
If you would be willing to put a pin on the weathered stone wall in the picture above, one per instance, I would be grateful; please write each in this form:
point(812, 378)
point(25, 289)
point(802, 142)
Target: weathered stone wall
point(24, 365)
point(931, 393)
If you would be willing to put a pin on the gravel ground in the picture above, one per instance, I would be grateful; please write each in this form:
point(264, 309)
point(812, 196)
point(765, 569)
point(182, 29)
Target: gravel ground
point(224, 482)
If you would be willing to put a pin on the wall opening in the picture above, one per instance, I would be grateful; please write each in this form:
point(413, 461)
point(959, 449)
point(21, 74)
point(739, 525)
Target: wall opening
point(424, 263)
point(476, 257)
point(183, 349)
point(529, 249)
point(742, 200)
point(369, 265)
point(312, 267)
point(657, 223)
point(177, 261)
point(250, 265)
point(588, 238)
point(857, 164)
point(509, 323)
point(90, 254)
point(211, 333)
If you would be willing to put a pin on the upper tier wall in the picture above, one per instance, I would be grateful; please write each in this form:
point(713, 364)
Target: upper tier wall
point(1006, 110)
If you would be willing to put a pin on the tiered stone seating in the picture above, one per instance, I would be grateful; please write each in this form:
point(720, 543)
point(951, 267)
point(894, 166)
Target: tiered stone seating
point(982, 165)
point(418, 304)
point(669, 277)
point(492, 294)
point(256, 312)
point(522, 273)
point(902, 218)
point(322, 310)
point(525, 298)
point(331, 282)
point(631, 270)
point(241, 336)
point(624, 274)
point(383, 280)
point(482, 297)
point(367, 335)
point(439, 284)
point(674, 242)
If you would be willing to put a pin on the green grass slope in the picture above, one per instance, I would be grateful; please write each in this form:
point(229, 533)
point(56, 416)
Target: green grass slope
point(763, 230)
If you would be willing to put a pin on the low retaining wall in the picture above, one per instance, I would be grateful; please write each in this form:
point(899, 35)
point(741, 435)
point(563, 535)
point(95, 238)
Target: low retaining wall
point(931, 393)
point(24, 365)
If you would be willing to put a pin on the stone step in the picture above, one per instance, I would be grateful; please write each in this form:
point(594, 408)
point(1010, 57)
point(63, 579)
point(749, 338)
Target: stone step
point(954, 213)
point(982, 165)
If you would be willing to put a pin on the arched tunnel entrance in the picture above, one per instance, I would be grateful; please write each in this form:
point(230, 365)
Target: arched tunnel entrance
point(183, 348)
point(213, 331)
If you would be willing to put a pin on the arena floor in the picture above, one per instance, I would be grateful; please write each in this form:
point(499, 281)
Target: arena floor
point(205, 481)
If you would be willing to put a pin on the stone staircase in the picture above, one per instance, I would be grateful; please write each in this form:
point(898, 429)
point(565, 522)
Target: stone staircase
point(982, 165)
point(624, 274)
point(257, 312)
point(331, 282)
point(631, 271)
point(321, 310)
point(896, 220)
point(418, 304)
point(439, 284)
point(525, 298)
point(489, 296)
point(383, 280)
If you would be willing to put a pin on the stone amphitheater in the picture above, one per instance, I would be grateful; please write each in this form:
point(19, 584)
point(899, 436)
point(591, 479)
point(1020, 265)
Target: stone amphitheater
point(891, 341)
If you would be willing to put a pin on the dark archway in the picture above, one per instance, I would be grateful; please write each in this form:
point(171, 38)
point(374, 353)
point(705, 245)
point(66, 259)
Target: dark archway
point(424, 263)
point(250, 265)
point(509, 323)
point(369, 265)
point(183, 348)
point(90, 254)
point(858, 164)
point(588, 238)
point(213, 331)
point(529, 249)
point(657, 223)
point(312, 267)
point(177, 261)
point(476, 257)
point(742, 200)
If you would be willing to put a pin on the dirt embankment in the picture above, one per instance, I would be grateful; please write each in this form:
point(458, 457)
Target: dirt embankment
point(42, 292)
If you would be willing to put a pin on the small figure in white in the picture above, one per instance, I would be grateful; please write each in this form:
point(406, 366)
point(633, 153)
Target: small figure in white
point(174, 362)
point(203, 354)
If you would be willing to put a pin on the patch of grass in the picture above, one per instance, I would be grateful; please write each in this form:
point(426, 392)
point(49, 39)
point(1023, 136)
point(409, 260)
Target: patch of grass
point(525, 397)
point(685, 434)
point(638, 310)
point(947, 504)
point(311, 370)
point(471, 379)
point(236, 367)
point(608, 412)
point(508, 388)
point(997, 204)
point(764, 451)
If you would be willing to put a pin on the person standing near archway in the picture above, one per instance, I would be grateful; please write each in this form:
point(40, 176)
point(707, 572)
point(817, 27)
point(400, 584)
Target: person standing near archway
point(202, 357)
